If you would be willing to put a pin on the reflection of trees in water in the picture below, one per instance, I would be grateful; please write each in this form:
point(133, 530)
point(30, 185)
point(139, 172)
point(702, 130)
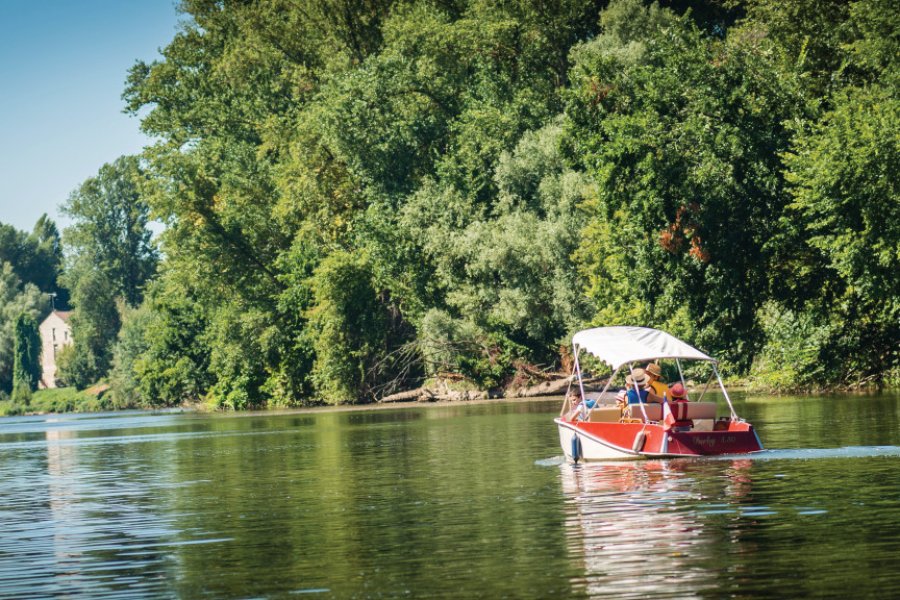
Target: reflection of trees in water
point(637, 529)
point(101, 528)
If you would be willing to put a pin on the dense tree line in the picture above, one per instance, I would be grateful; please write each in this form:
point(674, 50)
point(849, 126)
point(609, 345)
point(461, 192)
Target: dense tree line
point(360, 195)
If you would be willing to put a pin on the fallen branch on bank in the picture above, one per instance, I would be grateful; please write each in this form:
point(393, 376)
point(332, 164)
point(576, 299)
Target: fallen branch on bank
point(556, 387)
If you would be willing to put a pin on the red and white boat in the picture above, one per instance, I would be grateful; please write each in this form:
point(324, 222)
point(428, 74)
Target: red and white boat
point(601, 430)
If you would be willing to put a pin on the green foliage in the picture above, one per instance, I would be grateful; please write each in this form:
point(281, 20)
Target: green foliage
point(847, 214)
point(95, 323)
point(35, 258)
point(110, 230)
point(458, 349)
point(58, 400)
point(109, 256)
point(682, 132)
point(16, 299)
point(26, 355)
point(348, 335)
point(794, 355)
point(131, 344)
point(362, 195)
point(173, 364)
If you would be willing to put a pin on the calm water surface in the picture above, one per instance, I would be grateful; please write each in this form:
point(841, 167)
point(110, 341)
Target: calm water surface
point(464, 501)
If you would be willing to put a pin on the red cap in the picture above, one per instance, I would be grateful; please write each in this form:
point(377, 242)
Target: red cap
point(677, 391)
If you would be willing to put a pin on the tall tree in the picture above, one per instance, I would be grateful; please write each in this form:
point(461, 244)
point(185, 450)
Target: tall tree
point(110, 228)
point(109, 255)
point(95, 323)
point(27, 360)
point(37, 257)
point(15, 299)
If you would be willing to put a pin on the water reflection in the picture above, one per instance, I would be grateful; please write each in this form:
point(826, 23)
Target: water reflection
point(444, 502)
point(639, 528)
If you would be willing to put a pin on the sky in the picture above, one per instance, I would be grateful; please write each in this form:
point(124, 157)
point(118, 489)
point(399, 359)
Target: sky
point(63, 65)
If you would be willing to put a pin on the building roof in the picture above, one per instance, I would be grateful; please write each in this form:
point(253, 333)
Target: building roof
point(62, 314)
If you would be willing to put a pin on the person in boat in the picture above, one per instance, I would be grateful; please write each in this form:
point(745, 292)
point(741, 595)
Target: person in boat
point(656, 385)
point(575, 400)
point(639, 379)
point(677, 400)
point(677, 393)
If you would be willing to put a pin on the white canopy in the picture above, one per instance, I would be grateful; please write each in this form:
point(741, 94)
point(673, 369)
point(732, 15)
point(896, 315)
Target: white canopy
point(619, 345)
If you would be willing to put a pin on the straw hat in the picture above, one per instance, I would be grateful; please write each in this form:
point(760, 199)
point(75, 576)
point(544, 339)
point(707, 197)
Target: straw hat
point(638, 376)
point(653, 369)
point(677, 392)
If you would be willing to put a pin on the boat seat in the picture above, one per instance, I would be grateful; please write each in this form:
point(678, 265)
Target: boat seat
point(605, 414)
point(653, 410)
point(696, 410)
point(701, 410)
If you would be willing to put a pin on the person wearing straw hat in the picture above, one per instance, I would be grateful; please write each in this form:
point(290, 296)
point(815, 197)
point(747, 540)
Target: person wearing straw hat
point(656, 385)
point(638, 379)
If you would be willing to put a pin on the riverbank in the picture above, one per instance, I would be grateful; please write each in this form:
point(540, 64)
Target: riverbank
point(97, 399)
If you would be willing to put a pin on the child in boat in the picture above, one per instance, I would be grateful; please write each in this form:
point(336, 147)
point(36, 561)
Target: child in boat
point(677, 393)
point(677, 401)
point(575, 399)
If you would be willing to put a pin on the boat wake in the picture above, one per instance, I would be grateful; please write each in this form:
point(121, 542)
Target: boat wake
point(815, 453)
point(786, 454)
point(553, 461)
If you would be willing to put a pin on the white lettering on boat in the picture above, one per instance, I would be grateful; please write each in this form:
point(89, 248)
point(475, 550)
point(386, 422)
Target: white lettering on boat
point(710, 441)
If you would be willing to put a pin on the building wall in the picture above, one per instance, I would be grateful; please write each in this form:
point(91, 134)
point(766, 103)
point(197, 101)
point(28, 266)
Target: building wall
point(55, 334)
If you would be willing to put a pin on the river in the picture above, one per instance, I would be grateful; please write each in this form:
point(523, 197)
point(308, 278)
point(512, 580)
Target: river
point(446, 501)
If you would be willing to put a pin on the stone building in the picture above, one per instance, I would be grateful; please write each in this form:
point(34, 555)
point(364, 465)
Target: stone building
point(55, 334)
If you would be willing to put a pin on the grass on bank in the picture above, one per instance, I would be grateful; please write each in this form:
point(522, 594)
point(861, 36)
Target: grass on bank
point(60, 400)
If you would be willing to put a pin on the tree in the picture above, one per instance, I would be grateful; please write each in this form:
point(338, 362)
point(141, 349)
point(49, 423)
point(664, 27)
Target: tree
point(844, 255)
point(27, 360)
point(35, 258)
point(290, 135)
point(109, 255)
point(95, 323)
point(110, 228)
point(130, 345)
point(172, 365)
point(15, 299)
point(349, 335)
point(682, 132)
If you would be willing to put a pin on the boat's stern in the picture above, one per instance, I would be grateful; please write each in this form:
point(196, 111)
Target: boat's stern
point(732, 437)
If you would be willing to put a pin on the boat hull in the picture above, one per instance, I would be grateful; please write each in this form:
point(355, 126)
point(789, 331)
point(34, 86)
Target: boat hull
point(586, 441)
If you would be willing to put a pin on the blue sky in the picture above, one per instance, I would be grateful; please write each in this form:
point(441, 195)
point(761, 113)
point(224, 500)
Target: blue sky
point(62, 71)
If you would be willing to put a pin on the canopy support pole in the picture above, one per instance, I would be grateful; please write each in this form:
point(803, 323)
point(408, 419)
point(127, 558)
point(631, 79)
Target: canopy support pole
point(566, 406)
point(706, 387)
point(724, 391)
point(681, 375)
point(580, 384)
point(638, 392)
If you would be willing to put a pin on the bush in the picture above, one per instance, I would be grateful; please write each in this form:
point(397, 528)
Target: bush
point(792, 357)
point(68, 399)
